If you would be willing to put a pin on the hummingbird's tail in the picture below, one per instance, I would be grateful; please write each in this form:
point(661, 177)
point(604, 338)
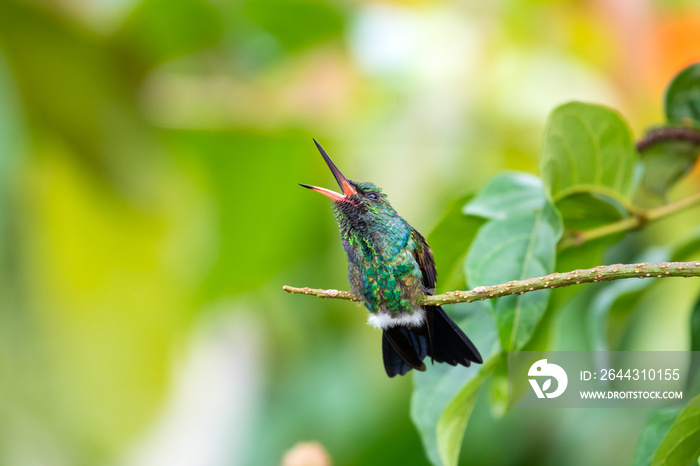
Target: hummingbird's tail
point(448, 343)
point(404, 348)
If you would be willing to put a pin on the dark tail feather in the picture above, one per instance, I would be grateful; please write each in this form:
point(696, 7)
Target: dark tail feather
point(404, 348)
point(448, 343)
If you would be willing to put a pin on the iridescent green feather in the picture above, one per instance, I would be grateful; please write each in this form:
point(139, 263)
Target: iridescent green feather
point(381, 248)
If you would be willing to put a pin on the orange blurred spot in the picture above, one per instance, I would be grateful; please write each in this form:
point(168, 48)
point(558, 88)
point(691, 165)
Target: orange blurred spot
point(307, 454)
point(678, 46)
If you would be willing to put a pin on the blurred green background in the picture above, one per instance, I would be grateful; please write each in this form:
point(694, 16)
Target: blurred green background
point(150, 152)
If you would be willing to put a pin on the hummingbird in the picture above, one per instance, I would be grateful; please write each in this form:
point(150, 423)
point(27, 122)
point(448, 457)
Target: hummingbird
point(391, 268)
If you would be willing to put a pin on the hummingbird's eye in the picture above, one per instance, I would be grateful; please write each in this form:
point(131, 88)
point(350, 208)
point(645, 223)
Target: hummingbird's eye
point(372, 196)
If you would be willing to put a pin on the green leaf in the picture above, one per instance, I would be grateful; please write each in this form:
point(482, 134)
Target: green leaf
point(682, 443)
point(436, 388)
point(689, 248)
point(582, 211)
point(694, 346)
point(695, 327)
point(663, 165)
point(505, 195)
point(682, 100)
point(657, 427)
point(612, 311)
point(450, 240)
point(519, 247)
point(587, 148)
point(614, 307)
point(453, 422)
point(518, 243)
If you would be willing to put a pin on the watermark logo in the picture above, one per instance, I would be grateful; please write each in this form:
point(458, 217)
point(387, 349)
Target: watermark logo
point(551, 371)
point(600, 379)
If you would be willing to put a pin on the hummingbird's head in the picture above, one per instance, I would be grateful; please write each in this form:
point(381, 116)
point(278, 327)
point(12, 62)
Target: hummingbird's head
point(360, 202)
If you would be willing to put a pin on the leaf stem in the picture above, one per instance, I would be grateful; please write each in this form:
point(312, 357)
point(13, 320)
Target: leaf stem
point(555, 280)
point(640, 219)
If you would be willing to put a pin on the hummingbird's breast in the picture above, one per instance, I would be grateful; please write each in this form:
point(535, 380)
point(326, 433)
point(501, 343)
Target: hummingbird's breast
point(383, 269)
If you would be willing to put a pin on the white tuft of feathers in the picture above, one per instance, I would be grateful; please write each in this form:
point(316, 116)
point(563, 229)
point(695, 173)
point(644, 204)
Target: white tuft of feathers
point(385, 320)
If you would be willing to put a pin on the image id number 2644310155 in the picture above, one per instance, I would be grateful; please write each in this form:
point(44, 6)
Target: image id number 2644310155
point(634, 374)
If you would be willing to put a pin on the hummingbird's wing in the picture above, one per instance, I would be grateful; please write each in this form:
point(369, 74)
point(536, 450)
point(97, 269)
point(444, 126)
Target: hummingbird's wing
point(446, 341)
point(424, 256)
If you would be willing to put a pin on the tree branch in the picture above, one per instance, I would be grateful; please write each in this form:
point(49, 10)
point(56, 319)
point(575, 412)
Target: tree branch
point(555, 280)
point(597, 274)
point(668, 134)
point(641, 218)
point(578, 238)
point(337, 294)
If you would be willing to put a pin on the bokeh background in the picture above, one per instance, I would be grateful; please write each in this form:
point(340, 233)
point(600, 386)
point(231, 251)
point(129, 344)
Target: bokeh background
point(150, 152)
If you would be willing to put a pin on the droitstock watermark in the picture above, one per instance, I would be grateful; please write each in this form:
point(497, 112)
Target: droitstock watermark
point(601, 379)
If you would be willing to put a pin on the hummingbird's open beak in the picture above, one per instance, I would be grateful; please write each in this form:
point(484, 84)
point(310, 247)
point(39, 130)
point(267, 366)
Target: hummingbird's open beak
point(348, 189)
